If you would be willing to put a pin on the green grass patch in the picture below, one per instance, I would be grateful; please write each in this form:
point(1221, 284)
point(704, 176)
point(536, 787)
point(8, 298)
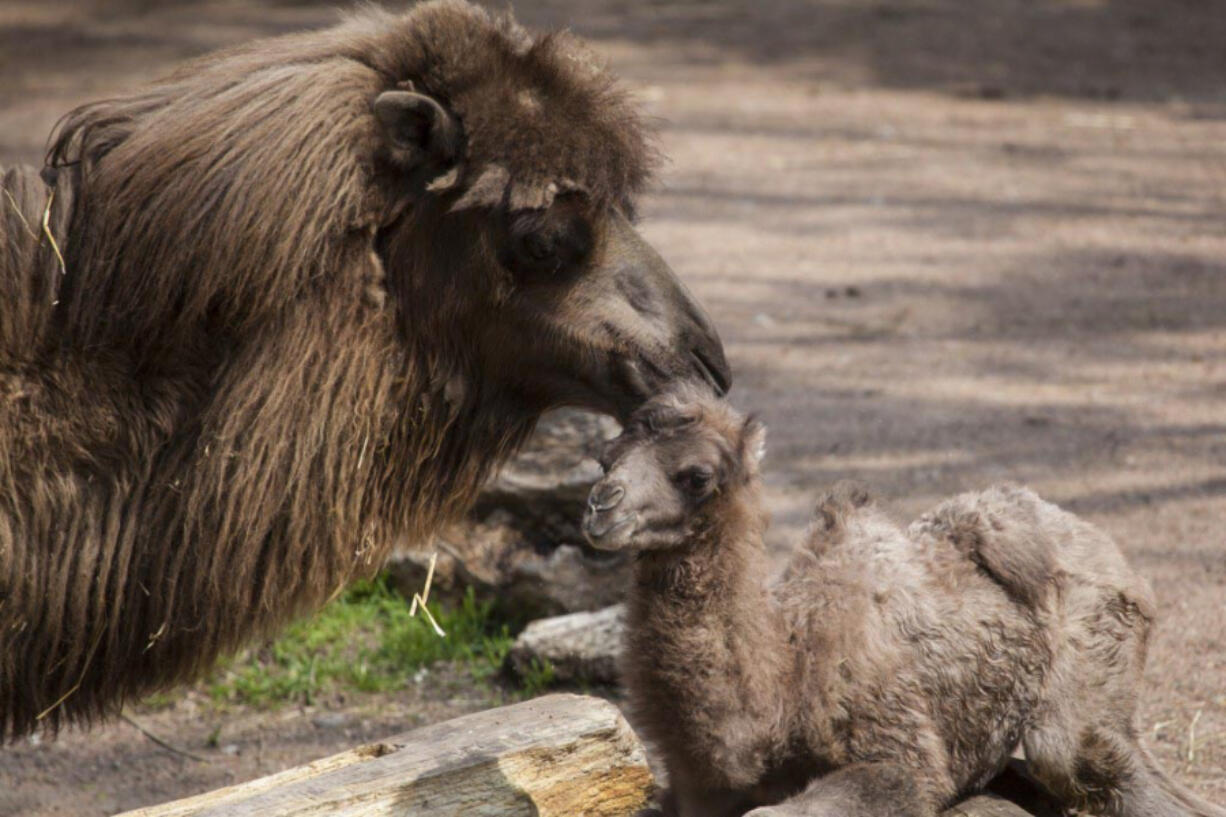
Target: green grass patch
point(538, 678)
point(366, 641)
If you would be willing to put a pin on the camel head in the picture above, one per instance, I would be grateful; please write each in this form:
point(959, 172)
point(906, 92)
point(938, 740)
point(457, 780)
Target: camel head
point(473, 182)
point(682, 456)
point(514, 163)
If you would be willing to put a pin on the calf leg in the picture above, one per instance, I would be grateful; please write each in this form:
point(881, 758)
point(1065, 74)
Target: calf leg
point(860, 790)
point(683, 801)
point(1107, 772)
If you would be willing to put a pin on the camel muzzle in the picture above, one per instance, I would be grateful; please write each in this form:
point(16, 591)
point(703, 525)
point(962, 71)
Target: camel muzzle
point(603, 527)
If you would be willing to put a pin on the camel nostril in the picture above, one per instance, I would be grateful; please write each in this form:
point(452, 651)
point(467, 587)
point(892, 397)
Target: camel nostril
point(605, 497)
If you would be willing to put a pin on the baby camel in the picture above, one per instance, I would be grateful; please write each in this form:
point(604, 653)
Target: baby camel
point(887, 673)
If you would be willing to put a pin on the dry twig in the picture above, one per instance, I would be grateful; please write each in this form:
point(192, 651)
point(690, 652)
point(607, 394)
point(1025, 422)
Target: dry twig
point(47, 229)
point(420, 599)
point(20, 215)
point(1192, 736)
point(88, 659)
point(128, 719)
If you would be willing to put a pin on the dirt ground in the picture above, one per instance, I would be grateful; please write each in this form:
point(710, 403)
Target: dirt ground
point(946, 243)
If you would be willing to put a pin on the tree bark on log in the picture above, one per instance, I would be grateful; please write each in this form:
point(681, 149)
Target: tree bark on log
point(556, 756)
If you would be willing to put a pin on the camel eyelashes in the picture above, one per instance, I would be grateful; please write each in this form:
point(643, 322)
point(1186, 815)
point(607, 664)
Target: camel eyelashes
point(695, 481)
point(544, 244)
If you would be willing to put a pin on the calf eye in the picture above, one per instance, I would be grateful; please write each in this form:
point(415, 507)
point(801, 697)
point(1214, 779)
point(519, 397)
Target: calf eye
point(695, 481)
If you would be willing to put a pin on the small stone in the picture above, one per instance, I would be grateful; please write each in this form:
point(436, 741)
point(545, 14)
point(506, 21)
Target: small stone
point(231, 749)
point(330, 720)
point(580, 646)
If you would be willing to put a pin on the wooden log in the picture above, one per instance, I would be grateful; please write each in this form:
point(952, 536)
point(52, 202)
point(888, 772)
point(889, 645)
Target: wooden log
point(556, 756)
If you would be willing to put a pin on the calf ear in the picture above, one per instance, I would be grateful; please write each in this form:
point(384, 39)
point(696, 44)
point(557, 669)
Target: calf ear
point(417, 129)
point(753, 442)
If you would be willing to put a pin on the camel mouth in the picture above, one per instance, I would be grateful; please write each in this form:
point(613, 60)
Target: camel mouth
point(641, 379)
point(714, 372)
point(612, 534)
point(637, 379)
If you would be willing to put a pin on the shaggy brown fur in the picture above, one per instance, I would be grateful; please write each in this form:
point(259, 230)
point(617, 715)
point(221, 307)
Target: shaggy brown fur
point(886, 674)
point(313, 290)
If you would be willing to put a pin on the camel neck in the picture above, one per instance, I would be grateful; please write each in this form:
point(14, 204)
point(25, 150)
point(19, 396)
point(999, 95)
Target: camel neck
point(704, 636)
point(710, 571)
point(714, 583)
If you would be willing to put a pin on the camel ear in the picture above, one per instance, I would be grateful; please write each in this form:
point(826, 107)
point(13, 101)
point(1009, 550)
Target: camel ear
point(418, 130)
point(753, 442)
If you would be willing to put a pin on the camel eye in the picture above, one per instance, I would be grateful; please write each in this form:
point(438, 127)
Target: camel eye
point(538, 248)
point(695, 481)
point(542, 246)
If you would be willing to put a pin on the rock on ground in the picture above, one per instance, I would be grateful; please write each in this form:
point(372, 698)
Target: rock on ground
point(580, 647)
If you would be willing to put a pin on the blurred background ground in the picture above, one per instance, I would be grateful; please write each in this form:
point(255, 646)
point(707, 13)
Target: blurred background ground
point(946, 244)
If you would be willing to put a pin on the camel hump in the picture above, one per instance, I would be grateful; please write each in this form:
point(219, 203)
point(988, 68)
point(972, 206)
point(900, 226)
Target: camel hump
point(833, 510)
point(1009, 532)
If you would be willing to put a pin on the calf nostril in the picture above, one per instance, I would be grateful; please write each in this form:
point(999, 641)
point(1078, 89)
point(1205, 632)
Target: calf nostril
point(604, 497)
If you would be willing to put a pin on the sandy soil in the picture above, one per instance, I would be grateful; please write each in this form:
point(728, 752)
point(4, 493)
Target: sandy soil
point(947, 244)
